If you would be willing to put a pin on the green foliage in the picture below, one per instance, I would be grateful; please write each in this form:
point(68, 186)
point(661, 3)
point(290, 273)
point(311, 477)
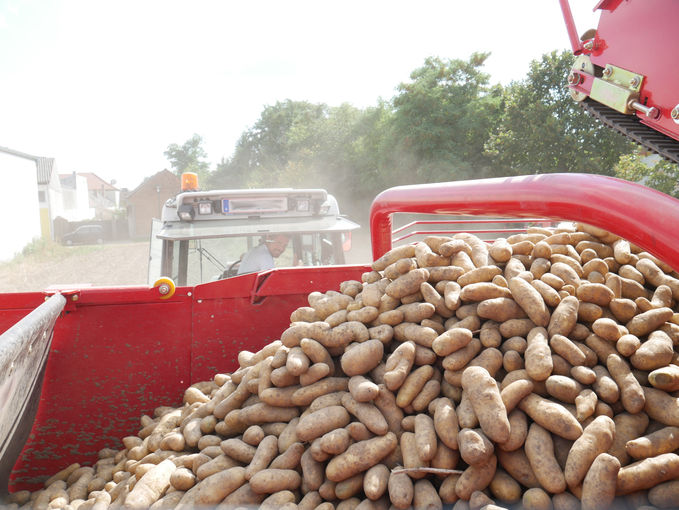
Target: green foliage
point(447, 122)
point(541, 129)
point(188, 157)
point(649, 170)
point(443, 117)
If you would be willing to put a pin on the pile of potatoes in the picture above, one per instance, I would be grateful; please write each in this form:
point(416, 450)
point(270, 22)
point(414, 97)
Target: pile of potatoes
point(537, 371)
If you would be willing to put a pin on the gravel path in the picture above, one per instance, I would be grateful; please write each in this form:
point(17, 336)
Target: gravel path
point(108, 264)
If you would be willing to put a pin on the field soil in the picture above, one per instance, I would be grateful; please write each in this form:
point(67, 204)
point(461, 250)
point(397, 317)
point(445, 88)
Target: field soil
point(108, 264)
point(98, 265)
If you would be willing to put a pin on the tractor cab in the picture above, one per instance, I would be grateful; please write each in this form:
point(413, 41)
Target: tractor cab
point(203, 235)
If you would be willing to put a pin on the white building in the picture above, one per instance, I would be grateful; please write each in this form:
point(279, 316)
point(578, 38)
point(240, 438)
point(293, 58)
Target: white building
point(75, 197)
point(33, 195)
point(20, 205)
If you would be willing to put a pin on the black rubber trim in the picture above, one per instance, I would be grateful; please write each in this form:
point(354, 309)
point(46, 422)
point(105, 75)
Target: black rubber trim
point(632, 128)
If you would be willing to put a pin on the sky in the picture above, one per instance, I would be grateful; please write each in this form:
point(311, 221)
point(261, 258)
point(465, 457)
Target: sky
point(106, 86)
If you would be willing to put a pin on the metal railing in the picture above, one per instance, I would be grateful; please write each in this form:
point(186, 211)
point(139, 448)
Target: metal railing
point(24, 349)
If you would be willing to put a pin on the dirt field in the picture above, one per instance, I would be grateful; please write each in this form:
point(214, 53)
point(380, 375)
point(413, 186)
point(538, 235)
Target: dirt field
point(108, 264)
point(102, 265)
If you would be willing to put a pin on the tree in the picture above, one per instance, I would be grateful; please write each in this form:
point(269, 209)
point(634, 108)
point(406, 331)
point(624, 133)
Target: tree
point(188, 157)
point(651, 171)
point(543, 130)
point(443, 117)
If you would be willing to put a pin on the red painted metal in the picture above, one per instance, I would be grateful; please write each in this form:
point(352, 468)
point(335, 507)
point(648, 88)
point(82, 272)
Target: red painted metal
point(573, 35)
point(249, 311)
point(642, 215)
point(119, 352)
point(639, 36)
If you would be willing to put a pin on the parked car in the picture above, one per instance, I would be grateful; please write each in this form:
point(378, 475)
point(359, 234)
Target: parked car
point(84, 234)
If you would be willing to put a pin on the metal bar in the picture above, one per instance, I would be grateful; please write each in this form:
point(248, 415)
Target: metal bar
point(469, 220)
point(576, 44)
point(449, 232)
point(643, 216)
point(24, 349)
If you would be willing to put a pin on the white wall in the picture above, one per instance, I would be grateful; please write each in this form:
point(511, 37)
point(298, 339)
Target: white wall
point(76, 202)
point(19, 209)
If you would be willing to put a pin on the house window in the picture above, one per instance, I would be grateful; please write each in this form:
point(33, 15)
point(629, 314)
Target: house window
point(41, 196)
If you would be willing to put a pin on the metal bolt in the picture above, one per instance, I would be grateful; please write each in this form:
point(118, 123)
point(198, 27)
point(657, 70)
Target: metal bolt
point(608, 71)
point(163, 288)
point(675, 113)
point(74, 297)
point(653, 113)
point(650, 111)
point(634, 82)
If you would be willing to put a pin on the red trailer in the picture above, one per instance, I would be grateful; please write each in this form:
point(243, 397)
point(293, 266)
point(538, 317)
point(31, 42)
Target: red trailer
point(106, 356)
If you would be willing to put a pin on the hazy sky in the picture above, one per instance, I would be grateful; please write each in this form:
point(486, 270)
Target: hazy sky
point(105, 87)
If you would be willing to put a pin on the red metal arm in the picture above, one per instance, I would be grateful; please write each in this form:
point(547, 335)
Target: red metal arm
point(645, 217)
point(576, 44)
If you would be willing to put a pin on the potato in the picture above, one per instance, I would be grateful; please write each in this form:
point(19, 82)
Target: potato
point(475, 447)
point(665, 378)
point(631, 393)
point(530, 300)
point(563, 388)
point(375, 481)
point(407, 283)
point(664, 495)
point(398, 365)
point(564, 317)
point(514, 392)
point(596, 438)
point(360, 456)
point(647, 473)
point(270, 481)
point(500, 250)
point(537, 356)
point(401, 490)
point(656, 352)
point(267, 450)
point(552, 416)
point(425, 495)
point(504, 487)
point(367, 413)
point(540, 453)
point(446, 423)
point(646, 322)
point(319, 422)
point(598, 488)
point(484, 395)
point(410, 454)
point(665, 440)
point(214, 488)
point(413, 384)
point(476, 478)
point(661, 407)
point(451, 341)
point(585, 404)
point(536, 499)
point(500, 309)
point(307, 394)
point(362, 358)
point(565, 348)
